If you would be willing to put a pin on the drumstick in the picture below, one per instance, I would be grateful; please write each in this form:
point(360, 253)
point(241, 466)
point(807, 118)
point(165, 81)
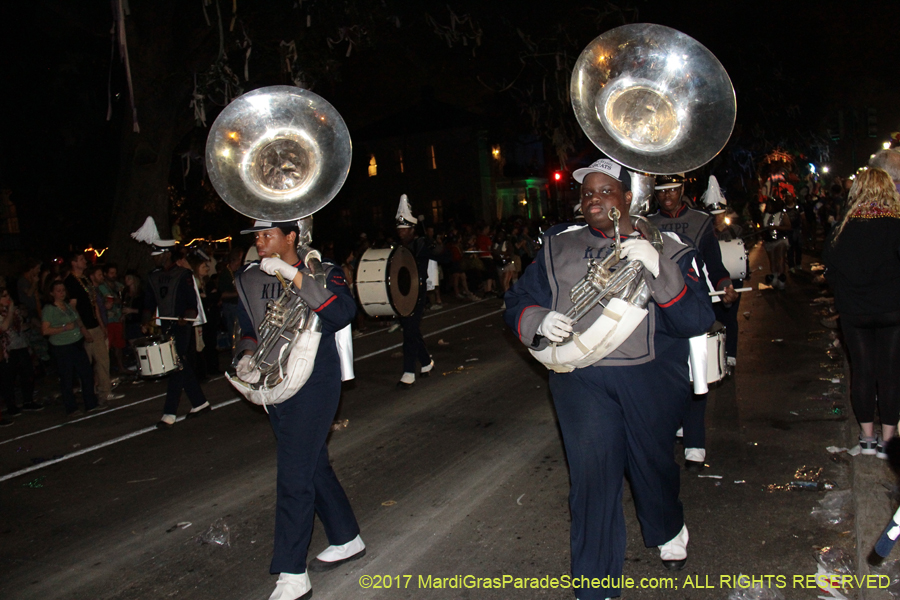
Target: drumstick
point(739, 290)
point(174, 319)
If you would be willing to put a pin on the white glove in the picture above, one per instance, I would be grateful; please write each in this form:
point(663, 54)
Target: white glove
point(243, 370)
point(643, 251)
point(555, 326)
point(272, 265)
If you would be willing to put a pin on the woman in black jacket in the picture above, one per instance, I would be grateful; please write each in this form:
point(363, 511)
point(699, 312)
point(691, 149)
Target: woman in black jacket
point(862, 259)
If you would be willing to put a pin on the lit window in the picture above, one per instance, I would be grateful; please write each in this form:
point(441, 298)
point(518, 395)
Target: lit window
point(437, 211)
point(431, 155)
point(400, 159)
point(373, 166)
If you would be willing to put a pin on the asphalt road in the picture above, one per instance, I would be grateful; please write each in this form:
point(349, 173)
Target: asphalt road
point(463, 475)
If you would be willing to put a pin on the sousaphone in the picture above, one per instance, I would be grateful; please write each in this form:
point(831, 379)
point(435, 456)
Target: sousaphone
point(658, 102)
point(281, 153)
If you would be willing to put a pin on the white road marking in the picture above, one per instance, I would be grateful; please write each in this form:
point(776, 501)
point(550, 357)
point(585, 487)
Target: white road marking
point(121, 438)
point(133, 434)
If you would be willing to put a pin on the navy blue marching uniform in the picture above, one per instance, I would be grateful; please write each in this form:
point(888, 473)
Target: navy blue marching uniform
point(697, 228)
point(414, 349)
point(307, 485)
point(618, 417)
point(171, 292)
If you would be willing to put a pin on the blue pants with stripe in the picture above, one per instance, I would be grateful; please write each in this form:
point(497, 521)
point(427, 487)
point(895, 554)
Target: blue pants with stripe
point(620, 422)
point(307, 485)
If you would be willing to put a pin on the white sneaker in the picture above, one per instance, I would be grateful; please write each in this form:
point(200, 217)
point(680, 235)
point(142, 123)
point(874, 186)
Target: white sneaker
point(680, 432)
point(292, 587)
point(674, 552)
point(695, 454)
point(112, 396)
point(426, 370)
point(334, 556)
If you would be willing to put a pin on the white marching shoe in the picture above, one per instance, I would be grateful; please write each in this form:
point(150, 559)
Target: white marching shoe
point(674, 552)
point(291, 586)
point(406, 381)
point(426, 370)
point(694, 459)
point(334, 556)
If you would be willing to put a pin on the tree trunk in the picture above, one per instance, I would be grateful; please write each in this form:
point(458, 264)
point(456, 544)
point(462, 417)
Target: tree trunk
point(163, 36)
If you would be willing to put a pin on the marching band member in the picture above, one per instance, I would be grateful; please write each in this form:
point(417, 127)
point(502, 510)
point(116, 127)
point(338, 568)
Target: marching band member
point(618, 416)
point(726, 229)
point(306, 482)
point(171, 293)
point(414, 349)
point(696, 228)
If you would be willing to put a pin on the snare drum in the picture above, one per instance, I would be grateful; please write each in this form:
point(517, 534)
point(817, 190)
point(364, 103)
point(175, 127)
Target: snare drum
point(734, 258)
point(716, 366)
point(387, 282)
point(156, 356)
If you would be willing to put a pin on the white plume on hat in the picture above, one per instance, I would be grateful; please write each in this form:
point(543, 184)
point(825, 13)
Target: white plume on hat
point(149, 234)
point(404, 216)
point(713, 198)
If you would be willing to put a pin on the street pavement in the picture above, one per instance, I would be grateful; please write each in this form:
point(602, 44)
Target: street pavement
point(463, 475)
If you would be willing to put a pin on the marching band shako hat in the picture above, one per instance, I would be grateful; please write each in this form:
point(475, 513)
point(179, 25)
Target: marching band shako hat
point(712, 198)
point(149, 234)
point(405, 218)
point(263, 225)
point(667, 182)
point(607, 167)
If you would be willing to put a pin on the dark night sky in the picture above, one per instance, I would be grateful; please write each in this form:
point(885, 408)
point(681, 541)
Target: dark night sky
point(59, 155)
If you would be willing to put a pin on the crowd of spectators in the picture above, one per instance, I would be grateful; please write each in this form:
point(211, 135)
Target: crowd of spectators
point(71, 323)
point(480, 260)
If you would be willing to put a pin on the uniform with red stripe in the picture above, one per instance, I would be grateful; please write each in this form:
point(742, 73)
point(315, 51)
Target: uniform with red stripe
point(680, 300)
point(696, 228)
point(307, 484)
point(618, 417)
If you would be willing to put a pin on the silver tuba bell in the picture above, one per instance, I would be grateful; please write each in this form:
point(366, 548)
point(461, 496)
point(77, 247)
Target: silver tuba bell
point(281, 153)
point(658, 102)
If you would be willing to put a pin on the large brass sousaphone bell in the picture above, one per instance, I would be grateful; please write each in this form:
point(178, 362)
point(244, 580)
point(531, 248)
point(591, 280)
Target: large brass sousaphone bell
point(658, 102)
point(278, 153)
point(653, 99)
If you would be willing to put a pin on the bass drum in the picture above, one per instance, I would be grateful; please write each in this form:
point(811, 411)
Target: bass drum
point(156, 356)
point(734, 258)
point(387, 282)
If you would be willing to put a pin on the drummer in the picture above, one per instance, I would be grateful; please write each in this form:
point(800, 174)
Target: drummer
point(176, 313)
point(696, 228)
point(726, 229)
point(414, 350)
